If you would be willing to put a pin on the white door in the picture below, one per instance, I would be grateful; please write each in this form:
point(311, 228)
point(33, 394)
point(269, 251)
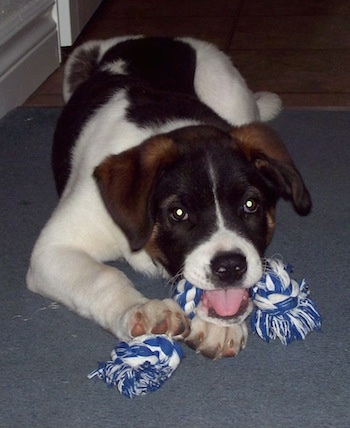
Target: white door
point(72, 17)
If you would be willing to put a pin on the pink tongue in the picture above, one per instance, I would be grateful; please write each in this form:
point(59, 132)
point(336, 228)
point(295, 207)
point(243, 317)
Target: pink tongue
point(225, 302)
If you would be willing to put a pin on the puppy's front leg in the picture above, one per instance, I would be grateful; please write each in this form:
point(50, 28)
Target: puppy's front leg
point(156, 317)
point(102, 293)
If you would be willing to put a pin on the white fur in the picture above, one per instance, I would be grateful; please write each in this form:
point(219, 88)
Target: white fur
point(220, 85)
point(67, 260)
point(269, 105)
point(197, 268)
point(116, 67)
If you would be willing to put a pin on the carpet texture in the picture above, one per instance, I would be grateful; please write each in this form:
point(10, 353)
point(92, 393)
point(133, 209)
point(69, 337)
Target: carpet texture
point(47, 351)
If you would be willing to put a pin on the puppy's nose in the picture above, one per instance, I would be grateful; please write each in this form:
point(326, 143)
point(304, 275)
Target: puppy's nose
point(229, 266)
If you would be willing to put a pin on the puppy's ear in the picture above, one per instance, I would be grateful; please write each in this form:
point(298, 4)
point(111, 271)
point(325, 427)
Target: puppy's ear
point(262, 146)
point(126, 182)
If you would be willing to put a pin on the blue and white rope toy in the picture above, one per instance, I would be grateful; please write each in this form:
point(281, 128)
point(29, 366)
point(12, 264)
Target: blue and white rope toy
point(140, 366)
point(187, 297)
point(283, 310)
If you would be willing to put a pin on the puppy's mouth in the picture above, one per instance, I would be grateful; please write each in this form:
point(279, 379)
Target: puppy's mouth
point(226, 304)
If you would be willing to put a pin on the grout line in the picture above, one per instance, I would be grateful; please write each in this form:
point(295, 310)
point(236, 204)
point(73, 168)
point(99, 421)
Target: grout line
point(317, 108)
point(235, 20)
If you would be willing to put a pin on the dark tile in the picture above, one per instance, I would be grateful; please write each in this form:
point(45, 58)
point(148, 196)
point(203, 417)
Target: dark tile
point(214, 29)
point(298, 71)
point(296, 7)
point(40, 99)
point(292, 32)
point(316, 101)
point(299, 49)
point(117, 9)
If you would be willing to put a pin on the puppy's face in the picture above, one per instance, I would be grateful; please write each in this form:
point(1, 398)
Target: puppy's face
point(202, 203)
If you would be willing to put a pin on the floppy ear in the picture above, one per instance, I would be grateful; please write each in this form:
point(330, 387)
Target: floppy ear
point(126, 182)
point(262, 146)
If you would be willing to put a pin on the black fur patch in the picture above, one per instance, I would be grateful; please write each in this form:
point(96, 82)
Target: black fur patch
point(159, 83)
point(157, 62)
point(236, 180)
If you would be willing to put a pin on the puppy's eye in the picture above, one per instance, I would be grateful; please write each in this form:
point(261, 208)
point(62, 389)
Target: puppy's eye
point(179, 214)
point(251, 206)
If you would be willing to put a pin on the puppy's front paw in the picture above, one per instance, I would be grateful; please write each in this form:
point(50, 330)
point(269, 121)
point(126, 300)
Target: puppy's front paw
point(158, 317)
point(214, 341)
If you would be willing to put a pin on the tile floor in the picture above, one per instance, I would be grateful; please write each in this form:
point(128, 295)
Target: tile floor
point(299, 49)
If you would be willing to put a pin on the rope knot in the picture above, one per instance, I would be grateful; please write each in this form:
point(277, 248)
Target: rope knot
point(283, 307)
point(140, 366)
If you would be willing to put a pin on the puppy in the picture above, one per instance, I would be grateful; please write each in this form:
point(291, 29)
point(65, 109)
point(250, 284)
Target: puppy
point(160, 158)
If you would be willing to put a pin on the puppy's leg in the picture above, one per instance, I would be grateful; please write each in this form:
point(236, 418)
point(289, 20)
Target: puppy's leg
point(220, 85)
point(214, 341)
point(100, 292)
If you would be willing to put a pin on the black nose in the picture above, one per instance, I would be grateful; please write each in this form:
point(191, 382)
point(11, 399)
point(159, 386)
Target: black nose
point(229, 266)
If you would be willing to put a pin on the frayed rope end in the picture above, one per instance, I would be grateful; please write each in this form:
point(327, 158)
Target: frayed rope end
point(284, 310)
point(140, 366)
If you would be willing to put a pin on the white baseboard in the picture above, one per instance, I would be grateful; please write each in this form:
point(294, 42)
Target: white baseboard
point(29, 53)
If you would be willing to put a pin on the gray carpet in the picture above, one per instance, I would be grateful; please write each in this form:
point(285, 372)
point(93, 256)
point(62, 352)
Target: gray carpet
point(47, 351)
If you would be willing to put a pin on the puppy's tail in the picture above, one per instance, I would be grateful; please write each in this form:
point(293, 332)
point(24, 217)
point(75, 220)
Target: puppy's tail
point(269, 105)
point(82, 63)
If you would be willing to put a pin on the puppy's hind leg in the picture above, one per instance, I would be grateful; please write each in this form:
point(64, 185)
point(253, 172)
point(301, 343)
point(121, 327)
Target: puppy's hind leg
point(221, 86)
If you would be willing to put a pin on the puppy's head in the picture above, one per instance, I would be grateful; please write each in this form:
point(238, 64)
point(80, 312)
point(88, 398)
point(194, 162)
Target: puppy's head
point(202, 202)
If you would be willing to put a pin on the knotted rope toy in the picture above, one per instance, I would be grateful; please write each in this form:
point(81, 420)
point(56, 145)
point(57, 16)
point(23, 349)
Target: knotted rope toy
point(283, 310)
point(140, 366)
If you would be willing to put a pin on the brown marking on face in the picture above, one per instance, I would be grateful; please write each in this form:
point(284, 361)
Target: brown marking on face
point(270, 224)
point(126, 182)
point(153, 249)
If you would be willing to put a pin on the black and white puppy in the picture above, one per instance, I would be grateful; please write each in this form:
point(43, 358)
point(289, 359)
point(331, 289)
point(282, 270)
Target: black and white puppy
point(160, 158)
